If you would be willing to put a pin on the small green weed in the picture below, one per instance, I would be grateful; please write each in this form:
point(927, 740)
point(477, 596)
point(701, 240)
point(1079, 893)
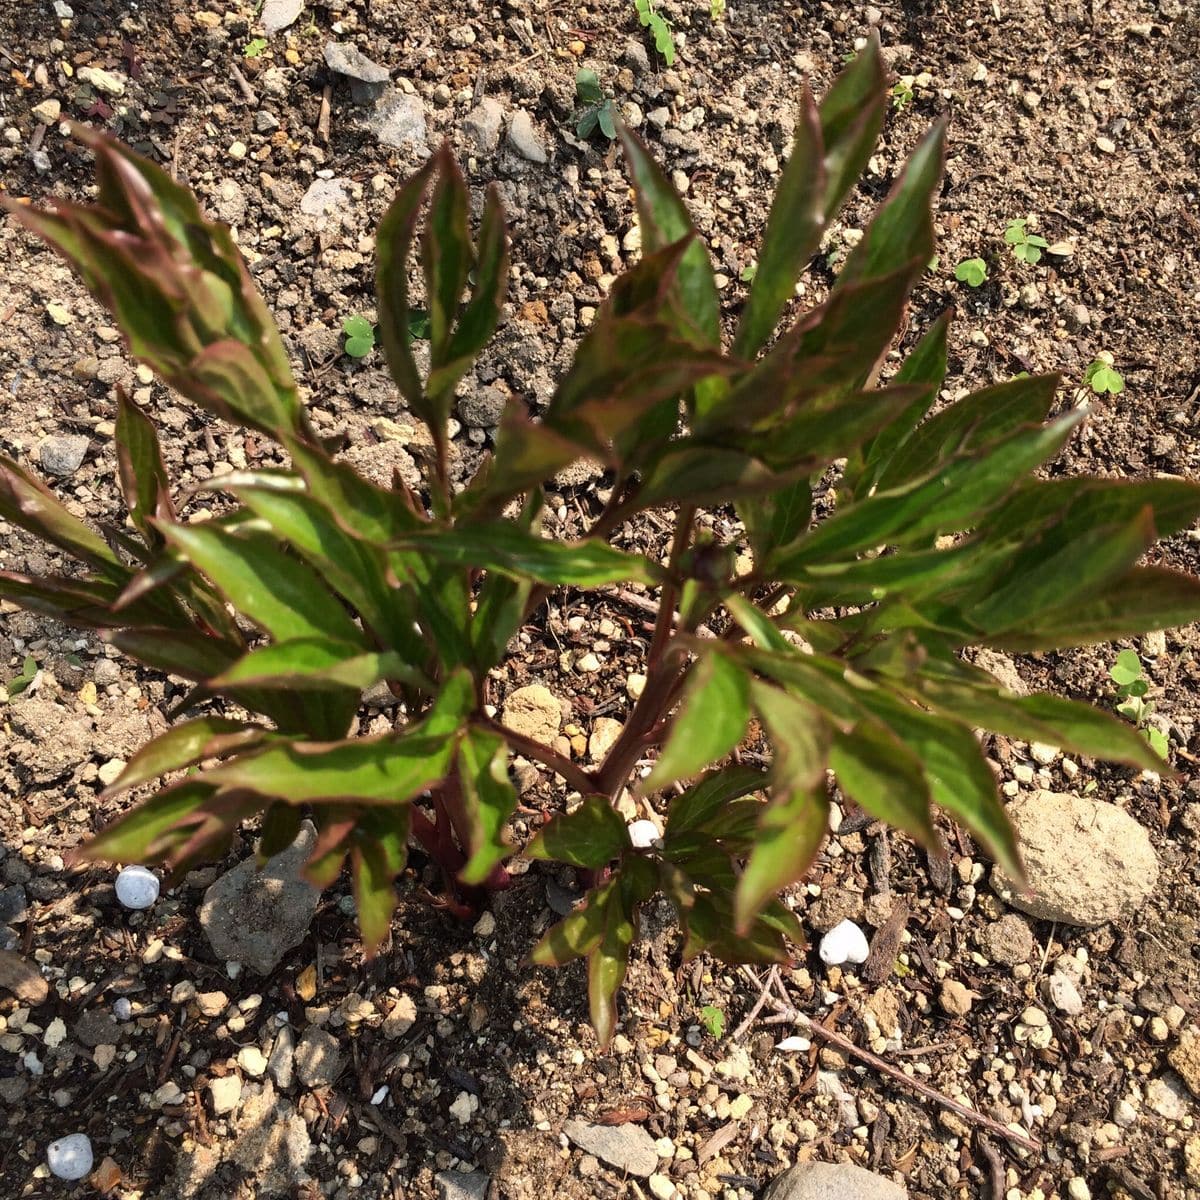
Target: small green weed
point(1026, 246)
point(254, 47)
point(664, 43)
point(971, 271)
point(596, 109)
point(1132, 686)
point(28, 674)
point(1101, 377)
point(748, 273)
point(713, 1019)
point(716, 9)
point(360, 336)
point(902, 93)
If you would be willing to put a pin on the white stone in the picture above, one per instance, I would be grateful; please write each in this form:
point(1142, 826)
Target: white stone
point(643, 834)
point(661, 1187)
point(464, 1107)
point(844, 943)
point(122, 1009)
point(137, 887)
point(794, 1045)
point(225, 1093)
point(70, 1157)
point(252, 1060)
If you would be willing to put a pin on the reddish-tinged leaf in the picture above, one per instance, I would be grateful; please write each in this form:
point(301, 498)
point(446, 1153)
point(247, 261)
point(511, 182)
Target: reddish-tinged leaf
point(184, 746)
point(591, 836)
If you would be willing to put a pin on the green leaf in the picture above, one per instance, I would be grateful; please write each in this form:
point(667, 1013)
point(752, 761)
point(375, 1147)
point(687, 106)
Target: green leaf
point(587, 87)
point(29, 670)
point(1068, 724)
point(187, 653)
point(577, 934)
point(479, 318)
point(132, 837)
point(960, 781)
point(30, 505)
point(591, 836)
point(490, 800)
point(776, 518)
point(144, 481)
point(1158, 743)
point(971, 271)
point(707, 797)
point(360, 336)
point(446, 255)
point(1053, 572)
point(184, 746)
point(393, 242)
point(390, 769)
point(274, 590)
point(971, 423)
point(800, 737)
point(884, 778)
point(711, 720)
point(1145, 599)
point(608, 963)
point(851, 116)
point(713, 1020)
point(357, 570)
point(502, 547)
point(900, 236)
point(1127, 668)
point(378, 853)
point(317, 664)
point(790, 834)
point(794, 229)
point(664, 219)
point(951, 500)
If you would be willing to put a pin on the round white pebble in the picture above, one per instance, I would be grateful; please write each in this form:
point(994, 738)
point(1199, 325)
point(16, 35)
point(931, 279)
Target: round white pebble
point(844, 943)
point(137, 887)
point(643, 834)
point(122, 1009)
point(70, 1157)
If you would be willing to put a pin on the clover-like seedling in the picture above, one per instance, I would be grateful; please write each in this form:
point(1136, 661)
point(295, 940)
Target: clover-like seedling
point(971, 271)
point(713, 1020)
point(902, 93)
point(19, 683)
point(1132, 685)
point(360, 336)
point(254, 47)
point(596, 109)
point(1026, 246)
point(1101, 376)
point(664, 42)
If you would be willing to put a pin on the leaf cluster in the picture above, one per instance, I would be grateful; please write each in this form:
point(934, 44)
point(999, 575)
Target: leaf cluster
point(651, 19)
point(888, 535)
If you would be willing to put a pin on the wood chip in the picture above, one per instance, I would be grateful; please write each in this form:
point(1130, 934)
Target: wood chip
point(306, 983)
point(717, 1142)
point(19, 976)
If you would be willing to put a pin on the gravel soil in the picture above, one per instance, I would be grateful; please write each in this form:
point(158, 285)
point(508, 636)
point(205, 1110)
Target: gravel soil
point(447, 1067)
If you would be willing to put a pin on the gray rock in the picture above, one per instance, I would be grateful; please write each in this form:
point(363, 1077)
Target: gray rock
point(367, 79)
point(628, 1148)
point(319, 1057)
point(636, 57)
point(273, 1144)
point(482, 125)
point(277, 15)
point(255, 917)
point(12, 904)
point(523, 138)
point(1088, 862)
point(1008, 941)
point(230, 202)
point(326, 200)
point(832, 1181)
point(483, 409)
point(283, 1057)
point(462, 1185)
point(62, 455)
point(97, 1027)
point(399, 120)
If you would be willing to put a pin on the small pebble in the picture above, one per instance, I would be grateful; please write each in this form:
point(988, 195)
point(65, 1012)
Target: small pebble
point(955, 998)
point(643, 834)
point(137, 887)
point(844, 943)
point(70, 1157)
point(122, 1009)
